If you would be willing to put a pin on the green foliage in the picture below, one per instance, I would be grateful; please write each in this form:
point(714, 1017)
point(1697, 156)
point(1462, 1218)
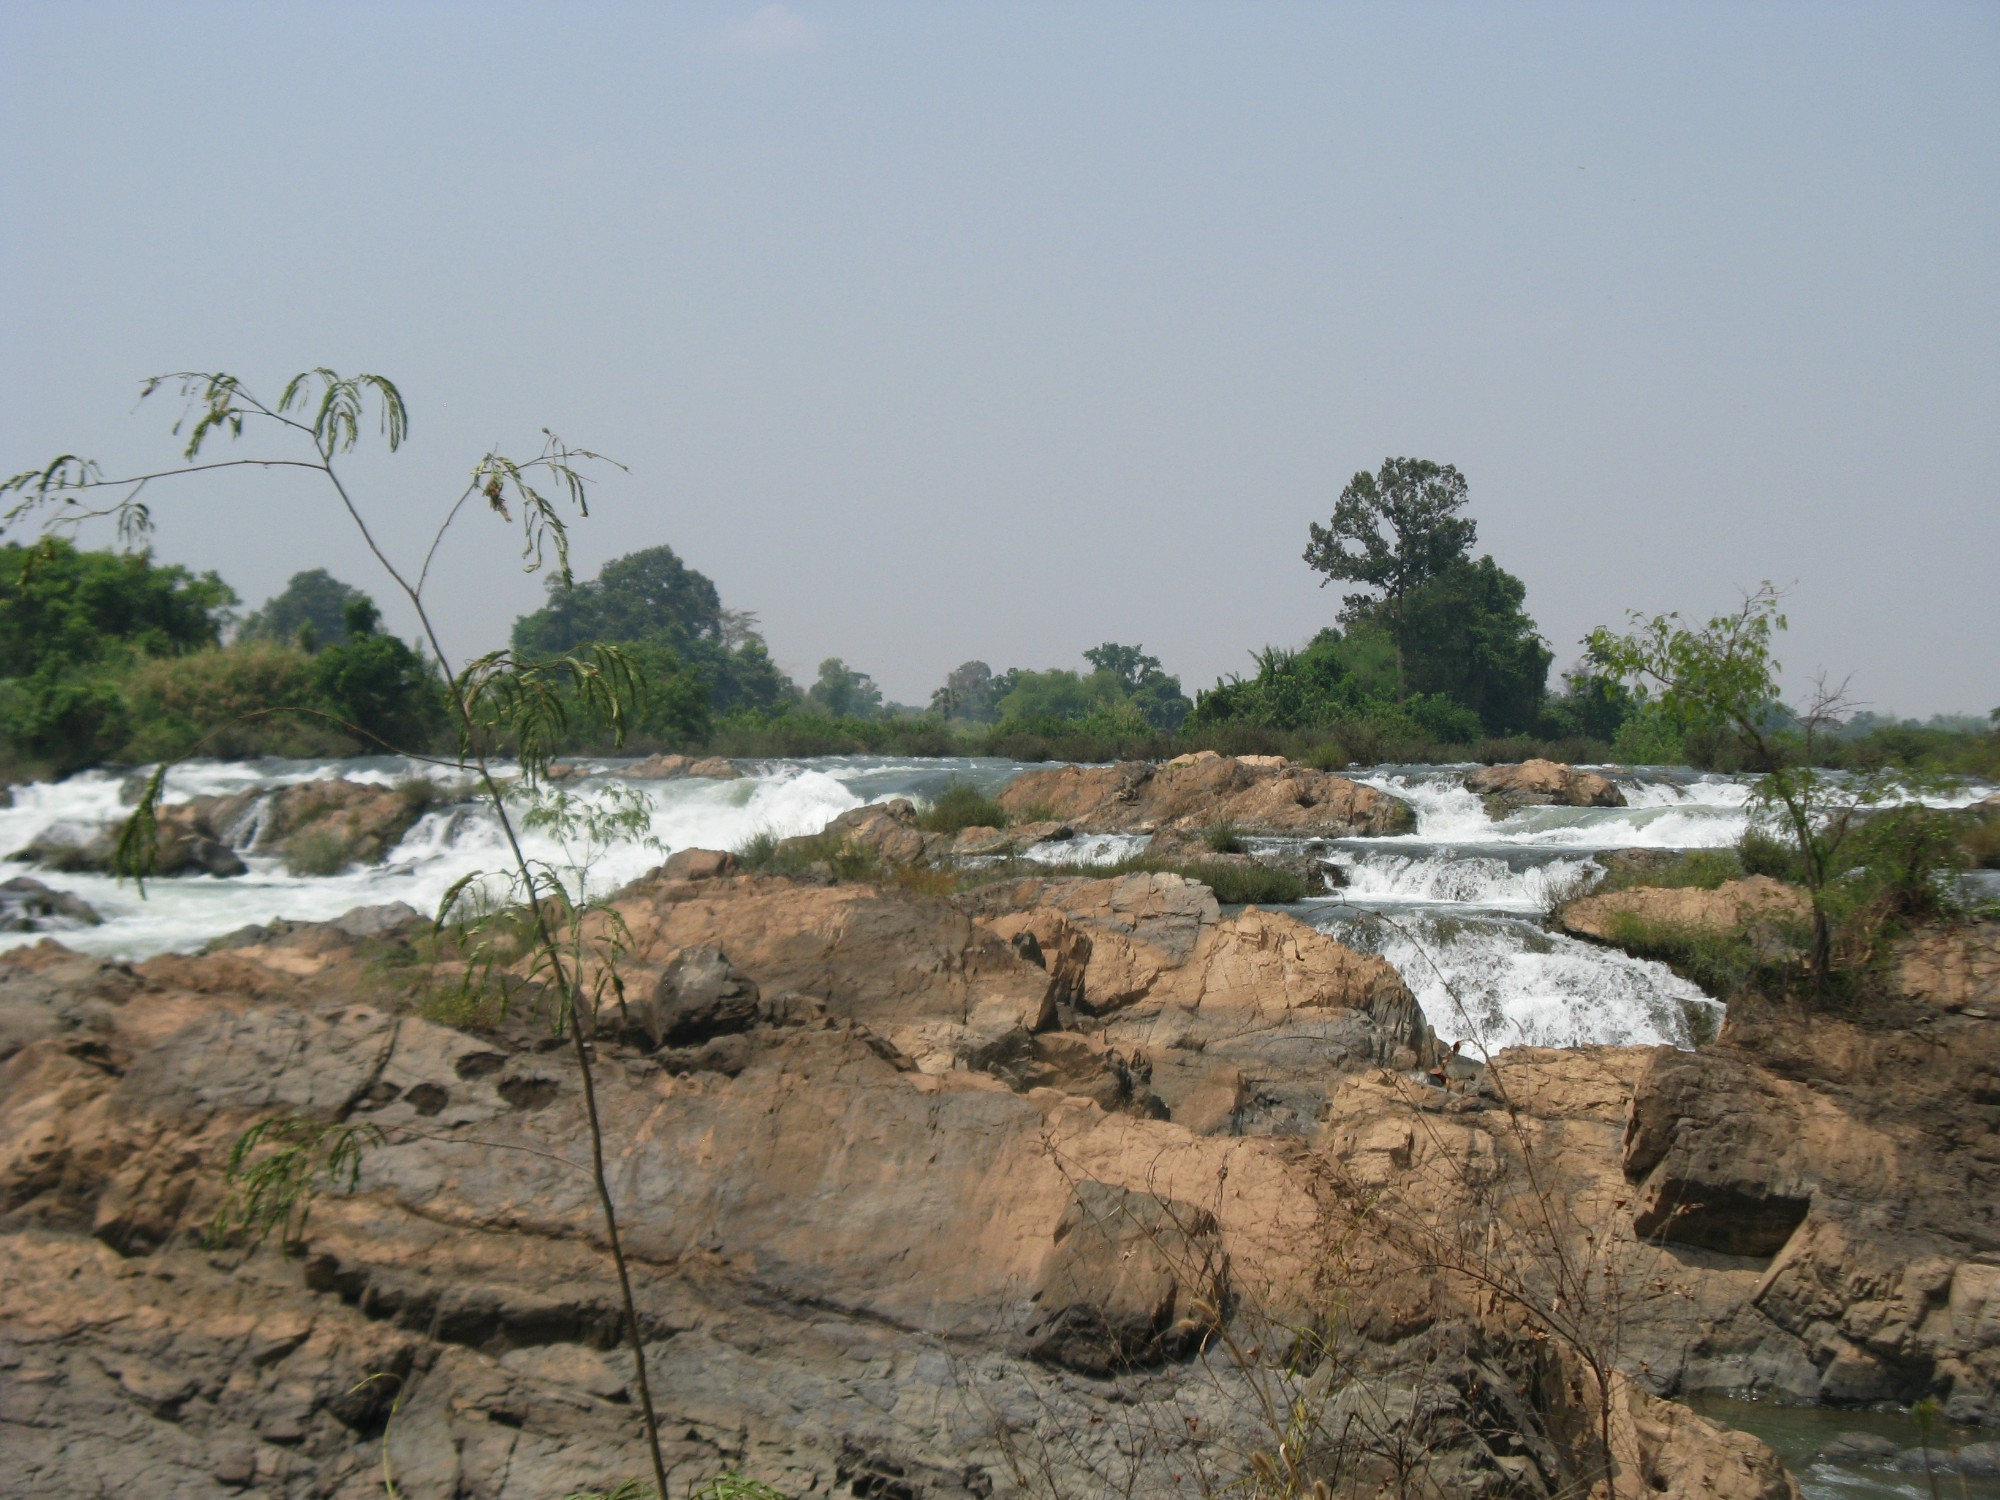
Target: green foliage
point(1393, 530)
point(1650, 737)
point(1700, 869)
point(967, 695)
point(260, 698)
point(844, 693)
point(1724, 962)
point(1341, 684)
point(1057, 695)
point(1465, 637)
point(651, 598)
point(1156, 697)
point(60, 719)
point(316, 851)
point(62, 607)
point(1591, 706)
point(1721, 678)
point(380, 687)
point(277, 1167)
point(1316, 688)
point(1223, 838)
point(958, 806)
point(314, 602)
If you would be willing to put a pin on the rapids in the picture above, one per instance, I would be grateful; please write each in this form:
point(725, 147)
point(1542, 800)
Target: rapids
point(1457, 905)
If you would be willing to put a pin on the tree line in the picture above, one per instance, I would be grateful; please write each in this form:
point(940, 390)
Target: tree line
point(113, 657)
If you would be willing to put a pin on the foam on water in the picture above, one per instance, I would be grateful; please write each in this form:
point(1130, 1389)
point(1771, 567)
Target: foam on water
point(1088, 849)
point(1449, 879)
point(1706, 813)
point(1507, 983)
point(443, 847)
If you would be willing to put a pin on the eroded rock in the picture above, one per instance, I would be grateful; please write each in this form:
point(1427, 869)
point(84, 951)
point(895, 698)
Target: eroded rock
point(1249, 793)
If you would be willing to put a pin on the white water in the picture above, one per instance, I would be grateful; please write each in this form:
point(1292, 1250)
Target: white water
point(1454, 904)
point(1507, 983)
point(180, 914)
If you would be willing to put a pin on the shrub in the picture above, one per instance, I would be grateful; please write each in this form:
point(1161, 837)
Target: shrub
point(1724, 962)
point(317, 851)
point(1224, 838)
point(223, 699)
point(961, 805)
point(1242, 885)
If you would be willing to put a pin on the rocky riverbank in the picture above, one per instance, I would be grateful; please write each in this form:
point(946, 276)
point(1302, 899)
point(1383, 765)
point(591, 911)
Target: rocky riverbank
point(1055, 1183)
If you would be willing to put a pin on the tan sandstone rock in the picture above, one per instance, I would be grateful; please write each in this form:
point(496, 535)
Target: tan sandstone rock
point(1258, 798)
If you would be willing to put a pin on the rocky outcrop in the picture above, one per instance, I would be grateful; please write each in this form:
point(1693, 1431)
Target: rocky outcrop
point(919, 1188)
point(860, 1267)
point(1851, 1163)
point(185, 843)
point(1541, 783)
point(26, 905)
point(656, 768)
point(698, 864)
point(886, 831)
point(319, 827)
point(1249, 793)
point(1734, 906)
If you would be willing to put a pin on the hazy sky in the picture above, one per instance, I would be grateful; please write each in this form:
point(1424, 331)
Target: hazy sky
point(949, 330)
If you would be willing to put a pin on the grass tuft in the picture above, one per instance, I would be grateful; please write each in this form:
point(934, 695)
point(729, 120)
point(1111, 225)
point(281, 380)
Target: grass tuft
point(959, 806)
point(317, 851)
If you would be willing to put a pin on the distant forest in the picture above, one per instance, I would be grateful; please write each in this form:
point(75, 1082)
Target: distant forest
point(1431, 655)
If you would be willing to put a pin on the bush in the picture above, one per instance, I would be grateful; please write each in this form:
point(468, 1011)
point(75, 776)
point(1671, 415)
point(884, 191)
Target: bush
point(316, 851)
point(1224, 838)
point(205, 697)
point(1242, 885)
point(1725, 963)
point(959, 806)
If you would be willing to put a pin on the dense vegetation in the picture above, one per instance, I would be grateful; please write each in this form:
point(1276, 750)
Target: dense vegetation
point(112, 657)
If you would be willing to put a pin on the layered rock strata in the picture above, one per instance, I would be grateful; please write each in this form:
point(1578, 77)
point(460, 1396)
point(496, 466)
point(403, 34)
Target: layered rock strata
point(939, 1196)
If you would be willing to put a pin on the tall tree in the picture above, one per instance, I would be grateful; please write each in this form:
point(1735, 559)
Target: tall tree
point(1393, 531)
point(1466, 635)
point(845, 693)
point(967, 694)
point(1129, 664)
point(314, 602)
point(651, 597)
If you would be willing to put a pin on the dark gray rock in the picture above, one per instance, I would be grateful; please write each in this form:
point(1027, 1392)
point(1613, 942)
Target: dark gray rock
point(701, 995)
point(26, 905)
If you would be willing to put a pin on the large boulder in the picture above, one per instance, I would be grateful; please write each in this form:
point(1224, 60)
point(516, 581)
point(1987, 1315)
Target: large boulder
point(318, 827)
point(1132, 1279)
point(660, 767)
point(1735, 906)
point(1251, 794)
point(886, 831)
point(184, 843)
point(1542, 783)
point(26, 905)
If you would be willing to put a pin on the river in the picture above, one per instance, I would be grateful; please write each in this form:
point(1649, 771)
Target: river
point(1457, 905)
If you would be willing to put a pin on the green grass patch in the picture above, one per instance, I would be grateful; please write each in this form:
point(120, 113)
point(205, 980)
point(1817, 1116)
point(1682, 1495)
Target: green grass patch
point(1724, 962)
point(317, 851)
point(961, 805)
point(1697, 869)
point(1224, 838)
